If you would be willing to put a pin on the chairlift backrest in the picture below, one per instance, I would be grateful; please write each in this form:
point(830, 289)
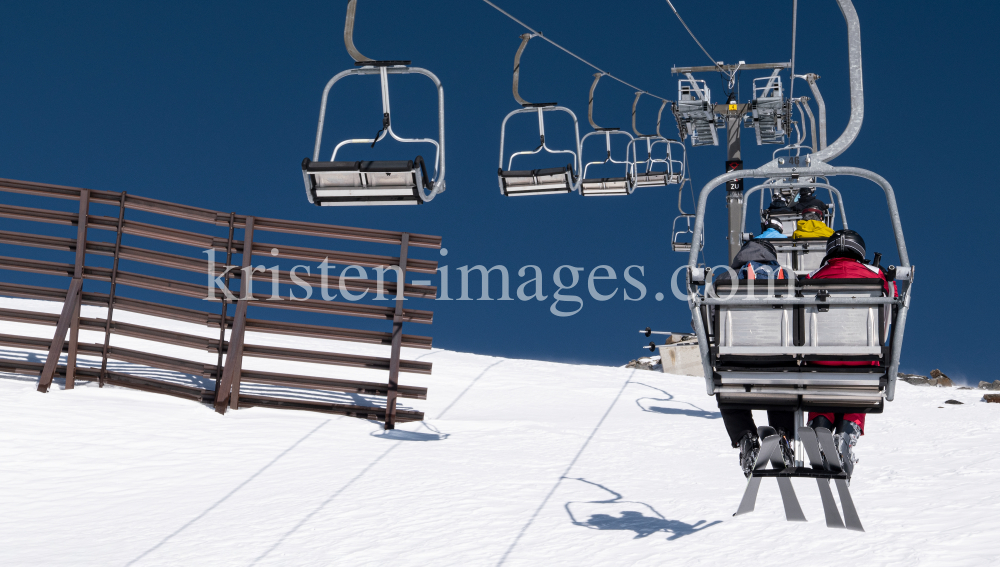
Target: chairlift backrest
point(406, 182)
point(561, 179)
point(759, 348)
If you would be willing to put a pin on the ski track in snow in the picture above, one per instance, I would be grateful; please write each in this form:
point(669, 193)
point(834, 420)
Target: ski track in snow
point(518, 463)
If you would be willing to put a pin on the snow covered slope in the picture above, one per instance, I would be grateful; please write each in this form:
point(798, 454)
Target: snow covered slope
point(519, 463)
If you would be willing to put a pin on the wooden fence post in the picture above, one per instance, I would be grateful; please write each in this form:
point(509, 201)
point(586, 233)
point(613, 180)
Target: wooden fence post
point(229, 387)
point(55, 350)
point(81, 251)
point(397, 337)
point(225, 305)
point(102, 377)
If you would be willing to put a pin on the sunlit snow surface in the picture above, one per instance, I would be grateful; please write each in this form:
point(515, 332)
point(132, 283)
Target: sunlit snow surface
point(518, 463)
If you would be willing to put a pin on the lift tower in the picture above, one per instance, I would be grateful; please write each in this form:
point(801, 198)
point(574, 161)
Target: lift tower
point(768, 114)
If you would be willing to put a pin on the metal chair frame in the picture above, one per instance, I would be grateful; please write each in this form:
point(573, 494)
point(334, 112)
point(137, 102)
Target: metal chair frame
point(594, 187)
point(540, 109)
point(367, 66)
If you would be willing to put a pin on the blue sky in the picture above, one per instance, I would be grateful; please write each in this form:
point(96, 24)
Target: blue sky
point(214, 104)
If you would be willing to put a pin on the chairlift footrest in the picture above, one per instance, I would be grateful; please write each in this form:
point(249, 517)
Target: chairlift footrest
point(800, 472)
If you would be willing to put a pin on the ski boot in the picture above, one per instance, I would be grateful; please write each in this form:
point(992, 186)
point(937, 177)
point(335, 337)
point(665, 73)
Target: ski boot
point(846, 438)
point(787, 453)
point(749, 447)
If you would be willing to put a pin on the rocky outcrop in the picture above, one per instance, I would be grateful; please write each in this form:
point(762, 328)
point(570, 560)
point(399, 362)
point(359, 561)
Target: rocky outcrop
point(992, 398)
point(995, 385)
point(645, 363)
point(939, 380)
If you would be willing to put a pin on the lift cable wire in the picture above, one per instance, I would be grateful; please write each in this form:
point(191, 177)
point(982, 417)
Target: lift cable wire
point(691, 33)
point(581, 59)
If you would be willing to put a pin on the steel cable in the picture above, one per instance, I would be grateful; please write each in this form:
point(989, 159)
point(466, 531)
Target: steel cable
point(581, 59)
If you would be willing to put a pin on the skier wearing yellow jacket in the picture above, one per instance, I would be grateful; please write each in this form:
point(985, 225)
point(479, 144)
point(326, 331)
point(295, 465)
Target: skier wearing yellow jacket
point(811, 226)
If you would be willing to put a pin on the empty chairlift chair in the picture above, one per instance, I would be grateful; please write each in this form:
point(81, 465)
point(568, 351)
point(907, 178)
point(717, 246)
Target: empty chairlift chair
point(695, 112)
point(401, 182)
point(546, 181)
point(673, 172)
point(607, 186)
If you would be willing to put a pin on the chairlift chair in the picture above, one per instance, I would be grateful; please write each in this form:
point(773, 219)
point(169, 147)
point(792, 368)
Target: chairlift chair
point(547, 181)
point(802, 255)
point(695, 112)
point(770, 114)
point(400, 182)
point(606, 186)
point(682, 238)
point(674, 172)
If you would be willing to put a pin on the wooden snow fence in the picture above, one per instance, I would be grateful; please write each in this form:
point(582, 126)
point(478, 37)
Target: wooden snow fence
point(228, 315)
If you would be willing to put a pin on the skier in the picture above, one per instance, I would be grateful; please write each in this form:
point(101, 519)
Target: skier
point(772, 229)
point(756, 260)
point(812, 225)
point(845, 258)
point(807, 199)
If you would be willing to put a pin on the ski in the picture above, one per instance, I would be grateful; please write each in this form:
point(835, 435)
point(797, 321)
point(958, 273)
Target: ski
point(811, 444)
point(851, 518)
point(767, 446)
point(793, 512)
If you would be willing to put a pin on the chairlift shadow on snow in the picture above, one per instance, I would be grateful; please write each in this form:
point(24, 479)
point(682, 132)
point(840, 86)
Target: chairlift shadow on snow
point(402, 435)
point(645, 404)
point(624, 515)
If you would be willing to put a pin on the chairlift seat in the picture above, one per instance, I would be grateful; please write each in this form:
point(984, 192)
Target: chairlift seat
point(548, 181)
point(652, 179)
point(606, 186)
point(765, 356)
point(339, 183)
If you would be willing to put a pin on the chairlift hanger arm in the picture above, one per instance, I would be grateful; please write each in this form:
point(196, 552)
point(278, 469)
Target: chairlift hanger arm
point(590, 104)
point(349, 35)
point(635, 103)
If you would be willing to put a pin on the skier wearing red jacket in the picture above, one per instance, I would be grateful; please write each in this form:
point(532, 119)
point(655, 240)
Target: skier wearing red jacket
point(845, 255)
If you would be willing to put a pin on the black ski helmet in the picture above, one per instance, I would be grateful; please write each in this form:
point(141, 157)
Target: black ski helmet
point(845, 243)
point(773, 223)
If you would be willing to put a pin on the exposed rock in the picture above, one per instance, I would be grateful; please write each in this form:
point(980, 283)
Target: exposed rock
point(915, 379)
point(963, 388)
point(953, 402)
point(645, 363)
point(995, 385)
point(992, 398)
point(938, 378)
